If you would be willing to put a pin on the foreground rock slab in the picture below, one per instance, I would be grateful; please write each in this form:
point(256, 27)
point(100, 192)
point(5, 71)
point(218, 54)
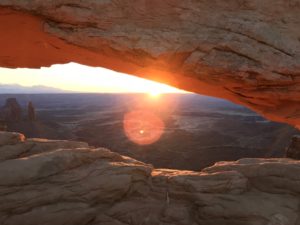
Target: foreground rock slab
point(60, 182)
point(245, 51)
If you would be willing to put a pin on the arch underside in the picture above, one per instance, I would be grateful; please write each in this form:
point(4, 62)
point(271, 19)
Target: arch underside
point(244, 51)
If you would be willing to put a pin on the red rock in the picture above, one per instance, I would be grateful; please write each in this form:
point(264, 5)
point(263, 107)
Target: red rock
point(244, 51)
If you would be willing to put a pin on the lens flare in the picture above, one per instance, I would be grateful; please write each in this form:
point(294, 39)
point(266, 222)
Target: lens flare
point(143, 127)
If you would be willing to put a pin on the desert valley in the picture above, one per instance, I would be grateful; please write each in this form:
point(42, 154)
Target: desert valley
point(199, 131)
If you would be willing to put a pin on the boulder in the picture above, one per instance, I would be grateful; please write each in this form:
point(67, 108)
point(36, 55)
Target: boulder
point(10, 138)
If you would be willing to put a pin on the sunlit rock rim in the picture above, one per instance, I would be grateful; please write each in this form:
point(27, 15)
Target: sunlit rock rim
point(244, 51)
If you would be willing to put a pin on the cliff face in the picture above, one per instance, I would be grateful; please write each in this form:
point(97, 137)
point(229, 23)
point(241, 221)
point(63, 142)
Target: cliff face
point(245, 51)
point(64, 182)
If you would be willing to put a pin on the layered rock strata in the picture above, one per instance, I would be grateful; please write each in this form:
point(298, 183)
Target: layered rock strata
point(65, 182)
point(245, 51)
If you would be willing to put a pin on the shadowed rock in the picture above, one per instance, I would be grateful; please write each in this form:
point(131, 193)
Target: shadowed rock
point(8, 138)
point(60, 182)
point(293, 150)
point(11, 111)
point(3, 124)
point(31, 112)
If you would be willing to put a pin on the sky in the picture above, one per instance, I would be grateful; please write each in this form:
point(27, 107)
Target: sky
point(80, 78)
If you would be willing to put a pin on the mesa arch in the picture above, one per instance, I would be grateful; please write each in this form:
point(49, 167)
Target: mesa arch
point(247, 51)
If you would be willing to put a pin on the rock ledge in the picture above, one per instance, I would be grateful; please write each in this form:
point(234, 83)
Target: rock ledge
point(64, 182)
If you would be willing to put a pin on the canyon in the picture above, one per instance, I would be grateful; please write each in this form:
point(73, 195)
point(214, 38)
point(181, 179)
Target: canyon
point(246, 51)
point(198, 130)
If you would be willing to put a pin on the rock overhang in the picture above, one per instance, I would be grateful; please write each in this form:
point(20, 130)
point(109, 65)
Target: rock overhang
point(247, 52)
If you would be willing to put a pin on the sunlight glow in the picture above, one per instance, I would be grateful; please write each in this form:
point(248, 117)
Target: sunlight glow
point(143, 127)
point(79, 78)
point(155, 93)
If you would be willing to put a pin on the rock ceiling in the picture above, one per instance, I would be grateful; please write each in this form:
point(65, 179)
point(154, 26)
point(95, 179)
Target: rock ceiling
point(241, 50)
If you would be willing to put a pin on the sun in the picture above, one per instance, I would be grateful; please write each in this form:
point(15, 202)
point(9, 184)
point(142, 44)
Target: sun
point(154, 93)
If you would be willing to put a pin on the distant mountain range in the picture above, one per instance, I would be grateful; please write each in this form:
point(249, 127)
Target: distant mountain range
point(38, 89)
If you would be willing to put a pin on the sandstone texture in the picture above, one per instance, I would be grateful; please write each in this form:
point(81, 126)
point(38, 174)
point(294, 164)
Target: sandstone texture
point(64, 182)
point(247, 51)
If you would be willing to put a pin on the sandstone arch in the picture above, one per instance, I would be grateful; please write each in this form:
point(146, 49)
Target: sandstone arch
point(245, 51)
